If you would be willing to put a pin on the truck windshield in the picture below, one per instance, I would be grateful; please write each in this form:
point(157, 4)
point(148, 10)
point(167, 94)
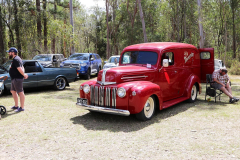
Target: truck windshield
point(139, 57)
point(42, 58)
point(79, 57)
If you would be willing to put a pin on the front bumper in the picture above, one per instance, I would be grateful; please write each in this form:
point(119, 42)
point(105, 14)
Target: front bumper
point(104, 109)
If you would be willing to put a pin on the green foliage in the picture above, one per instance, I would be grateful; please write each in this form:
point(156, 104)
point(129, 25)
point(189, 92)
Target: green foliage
point(165, 20)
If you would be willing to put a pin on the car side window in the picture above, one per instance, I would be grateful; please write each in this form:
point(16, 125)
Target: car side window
point(91, 56)
point(169, 56)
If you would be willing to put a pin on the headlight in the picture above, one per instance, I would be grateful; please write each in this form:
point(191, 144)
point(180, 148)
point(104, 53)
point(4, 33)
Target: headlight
point(121, 92)
point(83, 64)
point(86, 88)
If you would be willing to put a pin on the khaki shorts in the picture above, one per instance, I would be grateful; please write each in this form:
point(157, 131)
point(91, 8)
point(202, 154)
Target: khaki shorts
point(17, 85)
point(216, 86)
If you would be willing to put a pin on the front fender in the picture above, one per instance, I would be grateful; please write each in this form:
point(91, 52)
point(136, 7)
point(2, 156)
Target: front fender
point(139, 94)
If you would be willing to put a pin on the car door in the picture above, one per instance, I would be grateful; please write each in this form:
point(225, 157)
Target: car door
point(31, 71)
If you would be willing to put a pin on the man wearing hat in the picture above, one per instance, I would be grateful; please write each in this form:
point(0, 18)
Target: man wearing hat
point(222, 80)
point(17, 75)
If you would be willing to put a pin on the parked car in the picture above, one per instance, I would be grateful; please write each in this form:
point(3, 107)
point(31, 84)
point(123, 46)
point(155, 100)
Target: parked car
point(150, 76)
point(218, 64)
point(49, 60)
point(38, 76)
point(113, 61)
point(86, 64)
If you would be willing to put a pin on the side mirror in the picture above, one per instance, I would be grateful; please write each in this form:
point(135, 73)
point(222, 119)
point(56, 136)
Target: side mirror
point(91, 59)
point(105, 62)
point(165, 63)
point(54, 60)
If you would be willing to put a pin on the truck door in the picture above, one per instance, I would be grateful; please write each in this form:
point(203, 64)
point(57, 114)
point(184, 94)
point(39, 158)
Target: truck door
point(31, 70)
point(168, 78)
point(93, 63)
point(206, 61)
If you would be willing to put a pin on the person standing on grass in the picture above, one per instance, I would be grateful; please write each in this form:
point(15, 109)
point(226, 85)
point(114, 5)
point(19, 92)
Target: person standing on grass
point(222, 80)
point(17, 74)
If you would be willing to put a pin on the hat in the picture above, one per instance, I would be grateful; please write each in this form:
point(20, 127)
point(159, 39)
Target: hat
point(223, 68)
point(12, 49)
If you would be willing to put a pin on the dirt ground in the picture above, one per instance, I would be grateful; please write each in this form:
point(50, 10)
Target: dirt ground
point(52, 127)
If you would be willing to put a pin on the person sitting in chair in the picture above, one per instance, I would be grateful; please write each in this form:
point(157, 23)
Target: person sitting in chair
point(222, 80)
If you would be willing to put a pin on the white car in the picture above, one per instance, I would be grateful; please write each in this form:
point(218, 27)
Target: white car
point(113, 61)
point(218, 64)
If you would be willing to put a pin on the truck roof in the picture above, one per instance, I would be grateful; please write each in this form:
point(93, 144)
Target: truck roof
point(159, 46)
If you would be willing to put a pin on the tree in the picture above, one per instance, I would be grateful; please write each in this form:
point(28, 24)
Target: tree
point(143, 22)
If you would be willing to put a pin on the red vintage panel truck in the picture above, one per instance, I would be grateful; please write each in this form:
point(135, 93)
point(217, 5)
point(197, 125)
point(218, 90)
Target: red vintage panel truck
point(150, 76)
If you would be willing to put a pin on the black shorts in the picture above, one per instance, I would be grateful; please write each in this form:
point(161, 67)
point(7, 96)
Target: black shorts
point(17, 85)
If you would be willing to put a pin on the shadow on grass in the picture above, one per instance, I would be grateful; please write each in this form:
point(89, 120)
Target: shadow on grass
point(115, 123)
point(9, 113)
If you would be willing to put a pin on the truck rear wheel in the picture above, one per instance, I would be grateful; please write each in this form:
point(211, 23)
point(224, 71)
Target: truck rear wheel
point(148, 110)
point(194, 91)
point(60, 83)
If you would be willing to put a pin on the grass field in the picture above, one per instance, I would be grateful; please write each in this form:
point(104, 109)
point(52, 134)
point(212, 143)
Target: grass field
point(52, 127)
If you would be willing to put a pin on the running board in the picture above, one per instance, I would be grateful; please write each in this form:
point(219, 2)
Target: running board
point(170, 103)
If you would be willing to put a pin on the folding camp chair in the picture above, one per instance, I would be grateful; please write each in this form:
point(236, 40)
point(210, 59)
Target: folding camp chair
point(210, 91)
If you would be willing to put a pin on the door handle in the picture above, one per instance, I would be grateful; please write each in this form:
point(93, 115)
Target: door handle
point(175, 71)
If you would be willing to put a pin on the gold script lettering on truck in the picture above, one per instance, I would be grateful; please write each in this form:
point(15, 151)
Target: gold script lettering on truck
point(150, 76)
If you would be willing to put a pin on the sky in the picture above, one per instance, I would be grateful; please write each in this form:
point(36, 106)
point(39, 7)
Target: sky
point(91, 3)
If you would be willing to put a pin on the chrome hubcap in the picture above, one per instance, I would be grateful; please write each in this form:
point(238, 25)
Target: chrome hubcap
point(149, 107)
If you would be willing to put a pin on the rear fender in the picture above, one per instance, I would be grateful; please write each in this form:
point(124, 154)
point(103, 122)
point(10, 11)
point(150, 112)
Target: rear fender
point(191, 81)
point(139, 94)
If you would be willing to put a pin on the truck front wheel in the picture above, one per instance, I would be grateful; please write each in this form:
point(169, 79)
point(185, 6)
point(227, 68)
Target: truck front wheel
point(87, 76)
point(194, 91)
point(148, 110)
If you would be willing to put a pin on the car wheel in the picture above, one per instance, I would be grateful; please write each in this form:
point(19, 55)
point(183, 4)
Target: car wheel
point(60, 83)
point(2, 110)
point(194, 91)
point(148, 110)
point(87, 76)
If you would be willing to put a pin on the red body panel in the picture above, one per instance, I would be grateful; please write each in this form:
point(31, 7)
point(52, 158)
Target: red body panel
point(169, 85)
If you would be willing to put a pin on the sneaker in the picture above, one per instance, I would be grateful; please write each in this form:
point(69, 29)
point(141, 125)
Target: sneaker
point(236, 99)
point(232, 100)
point(15, 107)
point(19, 109)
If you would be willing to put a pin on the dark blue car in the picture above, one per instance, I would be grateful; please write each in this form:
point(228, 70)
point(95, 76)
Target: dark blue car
point(86, 64)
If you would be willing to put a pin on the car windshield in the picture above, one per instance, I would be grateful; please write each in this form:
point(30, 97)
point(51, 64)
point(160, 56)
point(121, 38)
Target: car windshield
point(42, 58)
point(79, 57)
point(6, 65)
point(112, 59)
point(139, 57)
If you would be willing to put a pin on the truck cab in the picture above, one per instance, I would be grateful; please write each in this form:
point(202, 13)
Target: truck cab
point(155, 76)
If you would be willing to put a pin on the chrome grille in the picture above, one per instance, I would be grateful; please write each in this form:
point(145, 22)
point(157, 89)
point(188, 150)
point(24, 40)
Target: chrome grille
point(103, 96)
point(69, 65)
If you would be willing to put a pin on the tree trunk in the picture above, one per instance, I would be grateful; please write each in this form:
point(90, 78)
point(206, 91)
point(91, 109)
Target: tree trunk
point(71, 22)
point(54, 39)
point(45, 25)
point(17, 29)
point(201, 41)
point(108, 45)
point(2, 50)
point(143, 22)
point(39, 26)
